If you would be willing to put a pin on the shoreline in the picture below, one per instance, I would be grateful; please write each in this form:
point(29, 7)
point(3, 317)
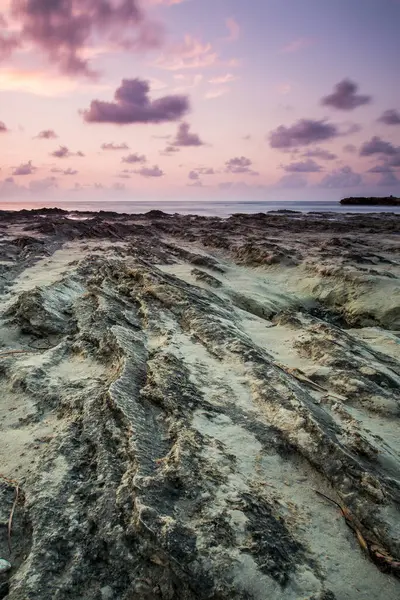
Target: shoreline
point(177, 388)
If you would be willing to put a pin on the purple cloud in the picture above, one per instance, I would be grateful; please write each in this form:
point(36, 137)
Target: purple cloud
point(64, 152)
point(378, 146)
point(388, 179)
point(150, 172)
point(8, 41)
point(46, 134)
point(319, 153)
point(341, 178)
point(302, 133)
point(350, 148)
point(390, 117)
point(292, 181)
point(205, 170)
point(384, 168)
point(134, 158)
point(133, 105)
point(24, 169)
point(185, 138)
point(63, 29)
point(42, 185)
point(239, 164)
point(196, 183)
point(3, 128)
point(305, 166)
point(64, 171)
point(345, 96)
point(169, 151)
point(193, 175)
point(112, 146)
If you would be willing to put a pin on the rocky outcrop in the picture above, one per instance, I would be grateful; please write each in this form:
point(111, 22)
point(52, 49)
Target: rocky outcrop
point(177, 424)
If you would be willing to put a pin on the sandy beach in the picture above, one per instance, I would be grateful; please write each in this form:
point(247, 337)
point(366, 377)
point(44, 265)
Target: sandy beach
point(199, 408)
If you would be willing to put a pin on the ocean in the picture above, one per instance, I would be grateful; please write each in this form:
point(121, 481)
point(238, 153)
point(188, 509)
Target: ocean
point(206, 208)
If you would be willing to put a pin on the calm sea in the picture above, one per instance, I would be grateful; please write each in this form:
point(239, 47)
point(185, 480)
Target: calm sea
point(209, 208)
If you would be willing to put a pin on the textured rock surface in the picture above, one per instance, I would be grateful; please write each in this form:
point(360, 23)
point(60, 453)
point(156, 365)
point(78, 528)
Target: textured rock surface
point(179, 388)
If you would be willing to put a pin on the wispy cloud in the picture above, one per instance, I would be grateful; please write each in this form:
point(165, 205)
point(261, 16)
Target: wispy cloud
point(222, 79)
point(297, 45)
point(189, 54)
point(210, 95)
point(233, 29)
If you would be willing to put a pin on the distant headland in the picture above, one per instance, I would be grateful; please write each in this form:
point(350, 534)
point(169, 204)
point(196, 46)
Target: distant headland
point(387, 201)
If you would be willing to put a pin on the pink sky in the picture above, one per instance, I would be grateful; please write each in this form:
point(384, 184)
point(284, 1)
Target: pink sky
point(199, 99)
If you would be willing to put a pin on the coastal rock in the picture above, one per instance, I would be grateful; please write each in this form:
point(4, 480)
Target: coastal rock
point(190, 421)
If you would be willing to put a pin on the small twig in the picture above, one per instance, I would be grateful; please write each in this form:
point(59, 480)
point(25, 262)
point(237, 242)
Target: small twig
point(15, 485)
point(329, 499)
point(14, 352)
point(10, 520)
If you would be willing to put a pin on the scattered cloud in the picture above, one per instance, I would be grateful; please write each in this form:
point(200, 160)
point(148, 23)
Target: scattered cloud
point(388, 179)
point(3, 128)
point(42, 185)
point(134, 158)
point(239, 164)
point(46, 134)
point(302, 133)
point(233, 29)
point(133, 105)
point(112, 146)
point(194, 175)
point(297, 45)
point(390, 117)
point(345, 96)
point(64, 152)
point(189, 54)
point(247, 137)
point(64, 30)
point(150, 172)
point(305, 166)
point(185, 138)
point(64, 171)
point(9, 41)
point(166, 2)
point(383, 168)
point(24, 169)
point(292, 181)
point(350, 148)
point(222, 79)
point(169, 151)
point(319, 153)
point(341, 178)
point(205, 171)
point(378, 146)
point(196, 183)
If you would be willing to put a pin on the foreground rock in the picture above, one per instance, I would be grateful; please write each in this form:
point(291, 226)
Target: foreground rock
point(175, 392)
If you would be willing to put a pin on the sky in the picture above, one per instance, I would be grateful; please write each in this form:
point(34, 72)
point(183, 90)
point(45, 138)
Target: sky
point(199, 99)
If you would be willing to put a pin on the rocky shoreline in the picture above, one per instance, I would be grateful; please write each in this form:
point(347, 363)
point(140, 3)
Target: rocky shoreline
point(199, 408)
